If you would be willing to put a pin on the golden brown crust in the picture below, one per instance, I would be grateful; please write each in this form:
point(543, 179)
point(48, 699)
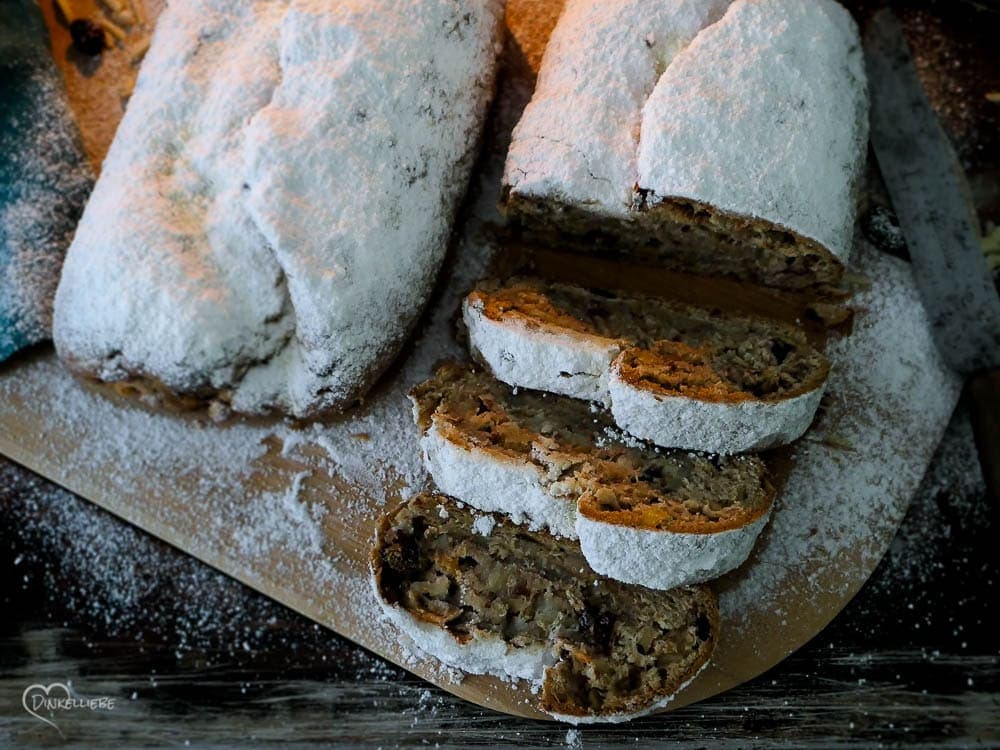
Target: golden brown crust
point(664, 517)
point(676, 369)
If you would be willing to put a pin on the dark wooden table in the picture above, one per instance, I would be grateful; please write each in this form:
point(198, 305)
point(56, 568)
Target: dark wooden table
point(191, 656)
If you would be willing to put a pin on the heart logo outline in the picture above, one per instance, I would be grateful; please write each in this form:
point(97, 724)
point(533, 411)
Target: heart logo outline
point(45, 689)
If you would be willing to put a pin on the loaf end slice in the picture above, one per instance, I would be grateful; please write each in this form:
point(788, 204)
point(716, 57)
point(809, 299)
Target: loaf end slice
point(491, 597)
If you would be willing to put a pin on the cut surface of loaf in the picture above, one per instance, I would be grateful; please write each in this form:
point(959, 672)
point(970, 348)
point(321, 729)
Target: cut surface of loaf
point(677, 375)
point(278, 198)
point(491, 597)
point(643, 515)
point(713, 136)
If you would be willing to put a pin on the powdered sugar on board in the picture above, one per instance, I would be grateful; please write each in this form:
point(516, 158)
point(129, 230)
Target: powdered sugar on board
point(888, 401)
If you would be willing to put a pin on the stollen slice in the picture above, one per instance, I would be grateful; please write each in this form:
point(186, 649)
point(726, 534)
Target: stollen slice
point(677, 375)
point(643, 515)
point(485, 595)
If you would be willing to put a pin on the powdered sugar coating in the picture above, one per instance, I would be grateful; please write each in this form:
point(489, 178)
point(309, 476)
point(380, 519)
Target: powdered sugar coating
point(562, 362)
point(577, 139)
point(490, 483)
point(664, 559)
point(764, 115)
point(580, 366)
point(278, 199)
point(714, 426)
point(758, 108)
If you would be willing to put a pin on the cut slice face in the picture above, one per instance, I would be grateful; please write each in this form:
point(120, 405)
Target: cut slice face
point(678, 375)
point(486, 595)
point(555, 462)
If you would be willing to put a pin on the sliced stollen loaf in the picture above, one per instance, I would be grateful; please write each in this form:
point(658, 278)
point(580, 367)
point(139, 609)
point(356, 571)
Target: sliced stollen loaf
point(643, 515)
point(676, 375)
point(715, 137)
point(274, 209)
point(490, 597)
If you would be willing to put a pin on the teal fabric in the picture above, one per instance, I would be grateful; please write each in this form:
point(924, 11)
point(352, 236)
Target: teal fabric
point(44, 178)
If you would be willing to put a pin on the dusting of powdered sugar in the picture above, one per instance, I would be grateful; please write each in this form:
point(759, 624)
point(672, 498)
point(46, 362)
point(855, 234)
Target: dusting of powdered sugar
point(131, 442)
point(483, 525)
point(230, 243)
point(888, 402)
point(780, 135)
point(565, 148)
point(282, 518)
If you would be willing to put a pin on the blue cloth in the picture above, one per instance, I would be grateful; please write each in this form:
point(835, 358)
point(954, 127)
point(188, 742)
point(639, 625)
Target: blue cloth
point(44, 176)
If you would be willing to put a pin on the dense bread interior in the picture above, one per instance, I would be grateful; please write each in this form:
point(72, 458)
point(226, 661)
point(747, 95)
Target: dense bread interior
point(673, 348)
point(616, 648)
point(581, 456)
point(684, 235)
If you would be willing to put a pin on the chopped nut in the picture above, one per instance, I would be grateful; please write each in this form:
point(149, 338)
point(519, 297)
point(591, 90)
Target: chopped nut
point(605, 495)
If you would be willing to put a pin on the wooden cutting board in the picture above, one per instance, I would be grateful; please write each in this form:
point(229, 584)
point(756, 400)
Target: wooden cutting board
point(290, 509)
